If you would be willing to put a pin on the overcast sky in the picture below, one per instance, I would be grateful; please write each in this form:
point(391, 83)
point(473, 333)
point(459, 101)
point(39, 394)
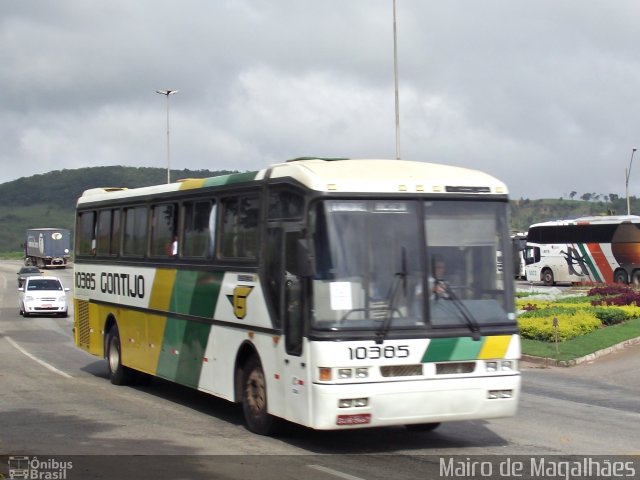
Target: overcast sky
point(543, 94)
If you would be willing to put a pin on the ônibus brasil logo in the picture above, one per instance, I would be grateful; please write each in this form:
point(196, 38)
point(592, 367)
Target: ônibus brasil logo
point(23, 467)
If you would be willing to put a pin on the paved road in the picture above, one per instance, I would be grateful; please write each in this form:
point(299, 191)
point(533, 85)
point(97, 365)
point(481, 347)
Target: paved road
point(57, 401)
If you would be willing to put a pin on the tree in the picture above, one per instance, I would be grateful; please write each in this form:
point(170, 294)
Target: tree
point(572, 194)
point(586, 197)
point(613, 197)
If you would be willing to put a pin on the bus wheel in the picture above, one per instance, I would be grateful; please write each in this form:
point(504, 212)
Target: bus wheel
point(254, 399)
point(547, 277)
point(620, 277)
point(422, 427)
point(118, 373)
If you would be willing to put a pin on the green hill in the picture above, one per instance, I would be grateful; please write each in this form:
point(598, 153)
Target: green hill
point(49, 200)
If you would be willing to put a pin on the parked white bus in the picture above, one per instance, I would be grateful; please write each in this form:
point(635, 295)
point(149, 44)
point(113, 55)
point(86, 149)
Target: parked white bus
point(298, 291)
point(602, 249)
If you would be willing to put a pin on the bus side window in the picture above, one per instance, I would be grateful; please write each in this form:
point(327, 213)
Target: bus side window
point(104, 232)
point(86, 233)
point(532, 255)
point(164, 230)
point(239, 235)
point(135, 231)
point(197, 234)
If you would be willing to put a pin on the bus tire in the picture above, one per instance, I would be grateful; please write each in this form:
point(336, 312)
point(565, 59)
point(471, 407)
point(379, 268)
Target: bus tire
point(118, 373)
point(254, 399)
point(636, 277)
point(547, 277)
point(422, 427)
point(620, 276)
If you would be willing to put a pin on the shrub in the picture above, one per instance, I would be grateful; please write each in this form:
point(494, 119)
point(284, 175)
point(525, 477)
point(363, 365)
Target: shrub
point(611, 315)
point(614, 295)
point(609, 290)
point(569, 326)
point(549, 311)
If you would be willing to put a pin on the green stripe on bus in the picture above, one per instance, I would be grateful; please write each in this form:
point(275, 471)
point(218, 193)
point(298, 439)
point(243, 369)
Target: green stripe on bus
point(230, 179)
point(452, 349)
point(587, 259)
point(196, 293)
point(183, 350)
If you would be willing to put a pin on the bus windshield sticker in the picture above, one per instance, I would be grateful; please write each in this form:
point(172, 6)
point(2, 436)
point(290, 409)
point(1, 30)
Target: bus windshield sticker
point(341, 296)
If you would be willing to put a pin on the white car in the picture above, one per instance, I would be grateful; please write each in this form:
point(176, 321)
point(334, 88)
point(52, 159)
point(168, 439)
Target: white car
point(43, 295)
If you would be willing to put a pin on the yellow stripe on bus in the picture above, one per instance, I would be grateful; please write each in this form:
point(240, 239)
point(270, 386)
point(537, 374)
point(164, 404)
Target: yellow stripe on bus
point(162, 289)
point(160, 299)
point(495, 347)
point(191, 183)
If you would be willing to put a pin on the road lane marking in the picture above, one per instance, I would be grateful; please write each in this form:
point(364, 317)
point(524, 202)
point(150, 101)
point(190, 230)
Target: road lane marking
point(41, 362)
point(335, 473)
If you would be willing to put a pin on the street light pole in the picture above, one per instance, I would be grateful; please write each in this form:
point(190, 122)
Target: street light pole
point(166, 93)
point(627, 174)
point(395, 75)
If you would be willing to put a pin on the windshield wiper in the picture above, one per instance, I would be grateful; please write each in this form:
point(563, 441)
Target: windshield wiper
point(463, 310)
point(399, 278)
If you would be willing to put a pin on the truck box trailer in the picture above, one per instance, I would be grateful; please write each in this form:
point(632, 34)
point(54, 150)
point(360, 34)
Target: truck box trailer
point(47, 247)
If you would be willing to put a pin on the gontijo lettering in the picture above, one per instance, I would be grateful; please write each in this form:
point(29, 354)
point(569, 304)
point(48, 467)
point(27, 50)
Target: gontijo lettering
point(113, 283)
point(122, 284)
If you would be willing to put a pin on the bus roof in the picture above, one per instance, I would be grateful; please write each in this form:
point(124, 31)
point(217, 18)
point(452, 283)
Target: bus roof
point(339, 175)
point(592, 220)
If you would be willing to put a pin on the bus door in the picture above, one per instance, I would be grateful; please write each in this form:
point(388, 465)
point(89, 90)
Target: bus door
point(289, 295)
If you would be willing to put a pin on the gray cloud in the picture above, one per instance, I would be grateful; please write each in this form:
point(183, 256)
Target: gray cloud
point(540, 94)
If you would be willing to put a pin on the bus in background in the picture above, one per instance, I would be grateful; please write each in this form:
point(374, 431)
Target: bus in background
point(335, 294)
point(518, 247)
point(602, 249)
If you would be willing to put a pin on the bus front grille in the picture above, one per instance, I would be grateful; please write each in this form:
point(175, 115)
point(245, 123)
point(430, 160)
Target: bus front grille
point(401, 370)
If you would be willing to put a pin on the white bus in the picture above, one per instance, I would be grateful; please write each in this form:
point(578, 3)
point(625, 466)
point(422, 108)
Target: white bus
point(297, 291)
point(602, 249)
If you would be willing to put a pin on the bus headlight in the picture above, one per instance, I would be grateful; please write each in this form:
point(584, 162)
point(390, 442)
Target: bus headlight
point(353, 402)
point(328, 374)
point(501, 366)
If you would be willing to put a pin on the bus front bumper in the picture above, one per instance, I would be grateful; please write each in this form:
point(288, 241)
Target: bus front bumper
point(414, 402)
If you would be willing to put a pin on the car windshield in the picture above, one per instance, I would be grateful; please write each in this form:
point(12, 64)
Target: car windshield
point(45, 284)
point(376, 258)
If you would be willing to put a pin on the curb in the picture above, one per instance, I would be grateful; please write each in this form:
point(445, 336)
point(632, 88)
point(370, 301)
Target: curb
point(546, 361)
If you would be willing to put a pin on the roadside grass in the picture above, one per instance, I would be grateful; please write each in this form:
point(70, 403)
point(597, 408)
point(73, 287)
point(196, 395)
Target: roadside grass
point(585, 344)
point(12, 255)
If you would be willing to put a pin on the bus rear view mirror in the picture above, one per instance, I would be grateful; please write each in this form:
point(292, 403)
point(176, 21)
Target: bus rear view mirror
point(300, 261)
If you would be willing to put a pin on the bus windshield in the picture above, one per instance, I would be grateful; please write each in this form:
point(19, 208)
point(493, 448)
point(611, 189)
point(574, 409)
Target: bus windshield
point(375, 259)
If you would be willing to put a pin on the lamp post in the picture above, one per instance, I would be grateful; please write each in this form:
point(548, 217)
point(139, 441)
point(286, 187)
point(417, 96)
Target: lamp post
point(166, 93)
point(395, 76)
point(627, 174)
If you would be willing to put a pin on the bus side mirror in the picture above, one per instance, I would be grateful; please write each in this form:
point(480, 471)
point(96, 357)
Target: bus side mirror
point(301, 260)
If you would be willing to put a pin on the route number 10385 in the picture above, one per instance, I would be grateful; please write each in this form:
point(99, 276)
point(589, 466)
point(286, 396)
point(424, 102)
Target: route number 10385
point(376, 351)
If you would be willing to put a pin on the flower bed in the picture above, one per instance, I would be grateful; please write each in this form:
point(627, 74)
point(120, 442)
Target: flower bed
point(576, 316)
